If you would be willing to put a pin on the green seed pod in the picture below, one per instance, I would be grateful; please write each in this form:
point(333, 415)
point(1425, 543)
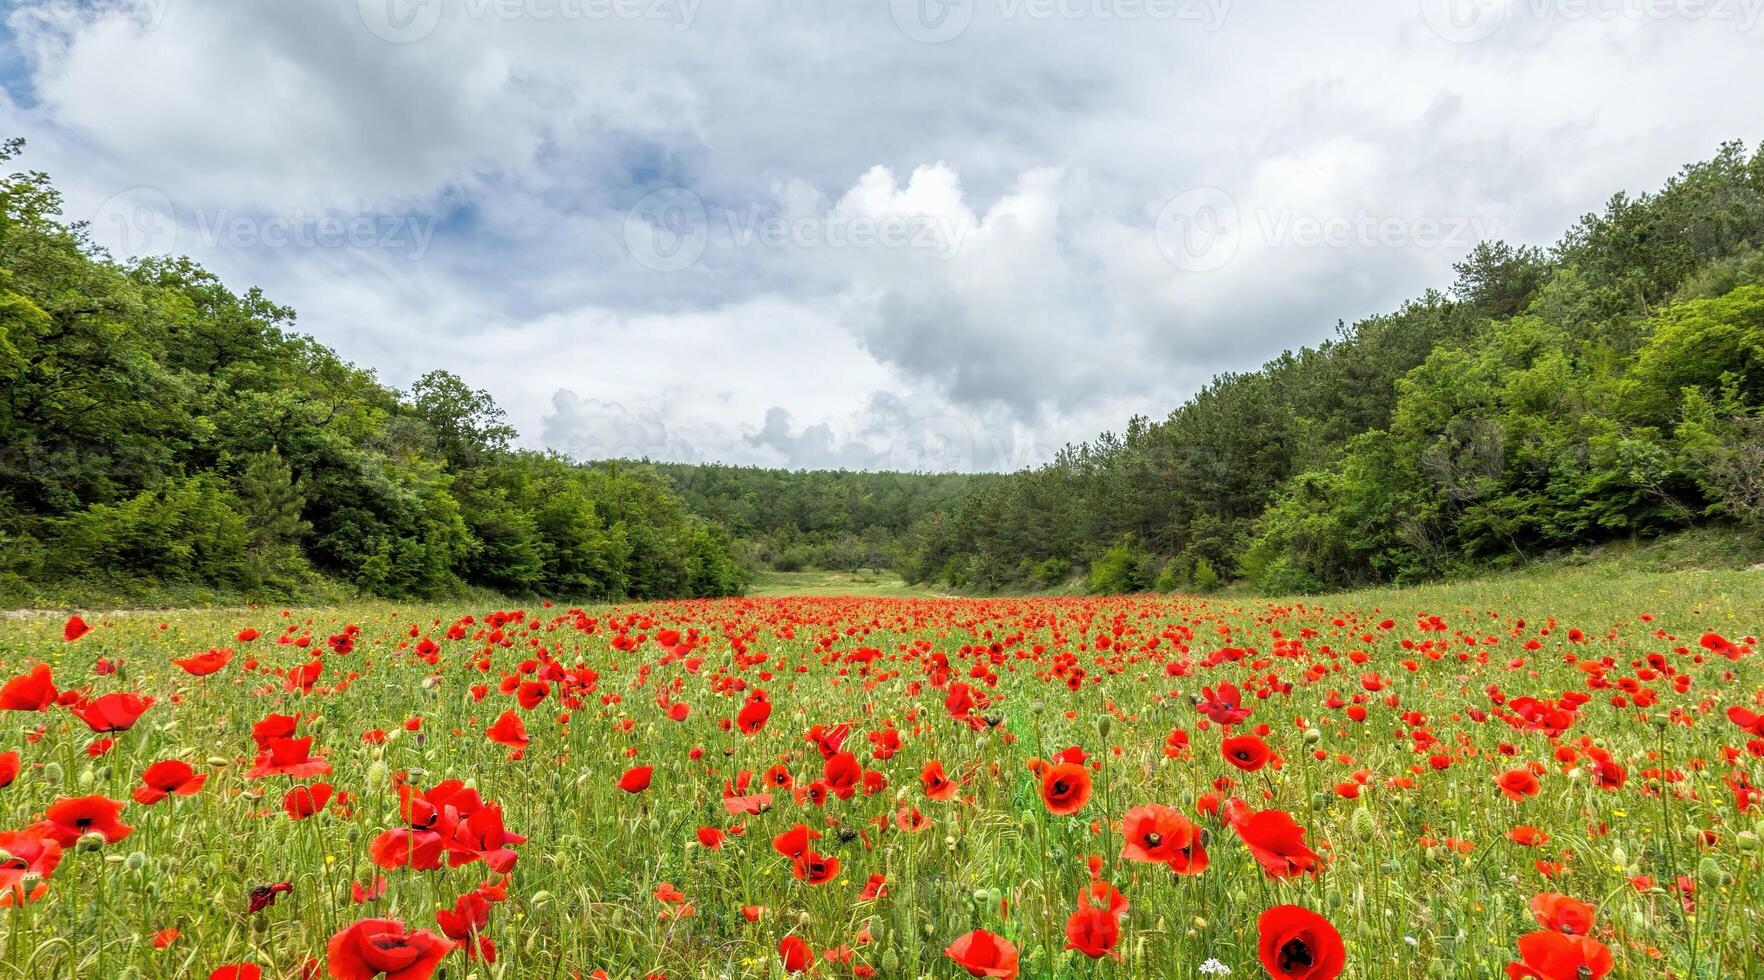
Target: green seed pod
point(1362, 823)
point(1708, 869)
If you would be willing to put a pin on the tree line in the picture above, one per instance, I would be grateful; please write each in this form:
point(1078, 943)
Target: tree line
point(157, 428)
point(839, 520)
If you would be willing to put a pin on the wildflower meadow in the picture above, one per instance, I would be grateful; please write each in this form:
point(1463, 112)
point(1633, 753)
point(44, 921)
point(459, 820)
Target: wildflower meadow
point(1458, 782)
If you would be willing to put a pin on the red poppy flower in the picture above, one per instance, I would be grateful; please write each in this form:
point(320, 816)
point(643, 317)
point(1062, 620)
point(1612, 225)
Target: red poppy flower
point(1246, 752)
point(237, 971)
point(1554, 910)
point(203, 664)
point(1277, 843)
point(9, 768)
point(162, 779)
point(113, 712)
point(509, 730)
point(1518, 784)
point(272, 727)
point(1550, 955)
point(30, 691)
point(636, 779)
point(74, 629)
point(794, 843)
point(1527, 836)
point(1065, 788)
point(1225, 706)
point(937, 785)
point(304, 801)
point(842, 773)
point(1093, 932)
point(816, 869)
point(1102, 895)
point(1156, 834)
point(984, 954)
point(1297, 943)
point(26, 855)
point(752, 716)
point(263, 896)
point(794, 951)
point(874, 888)
point(374, 947)
point(70, 818)
point(288, 757)
point(710, 837)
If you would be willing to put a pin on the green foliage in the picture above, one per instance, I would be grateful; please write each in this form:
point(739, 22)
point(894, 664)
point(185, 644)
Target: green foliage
point(1120, 569)
point(817, 519)
point(156, 426)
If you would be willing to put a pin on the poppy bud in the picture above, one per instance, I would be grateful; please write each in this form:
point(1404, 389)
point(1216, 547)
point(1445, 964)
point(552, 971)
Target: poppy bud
point(85, 779)
point(135, 861)
point(52, 772)
point(1104, 725)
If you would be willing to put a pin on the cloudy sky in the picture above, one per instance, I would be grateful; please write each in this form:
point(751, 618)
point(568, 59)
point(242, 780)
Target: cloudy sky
point(925, 234)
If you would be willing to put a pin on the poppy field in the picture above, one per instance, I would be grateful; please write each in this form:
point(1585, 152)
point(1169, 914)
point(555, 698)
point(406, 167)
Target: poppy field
point(1553, 778)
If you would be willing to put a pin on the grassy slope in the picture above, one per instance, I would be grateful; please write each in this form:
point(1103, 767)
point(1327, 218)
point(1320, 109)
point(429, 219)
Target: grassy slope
point(823, 583)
